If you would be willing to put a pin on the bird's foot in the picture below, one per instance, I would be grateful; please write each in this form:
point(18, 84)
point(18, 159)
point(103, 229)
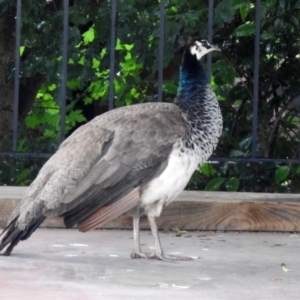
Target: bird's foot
point(139, 255)
point(169, 258)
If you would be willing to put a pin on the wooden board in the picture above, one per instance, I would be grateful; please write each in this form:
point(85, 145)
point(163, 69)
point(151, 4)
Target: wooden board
point(199, 211)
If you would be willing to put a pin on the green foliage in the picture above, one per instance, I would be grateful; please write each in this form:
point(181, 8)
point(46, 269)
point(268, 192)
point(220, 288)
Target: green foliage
point(281, 173)
point(44, 115)
point(207, 169)
point(278, 122)
point(258, 177)
point(215, 184)
point(232, 184)
point(88, 36)
point(244, 30)
point(224, 12)
point(136, 78)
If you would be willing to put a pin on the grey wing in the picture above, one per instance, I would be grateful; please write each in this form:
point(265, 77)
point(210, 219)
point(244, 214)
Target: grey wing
point(100, 166)
point(136, 155)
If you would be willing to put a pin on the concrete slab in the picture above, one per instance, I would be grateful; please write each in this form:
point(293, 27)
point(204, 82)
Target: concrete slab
point(66, 264)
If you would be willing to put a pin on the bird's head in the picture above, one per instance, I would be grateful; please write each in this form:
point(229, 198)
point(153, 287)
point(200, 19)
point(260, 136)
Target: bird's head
point(200, 47)
point(196, 46)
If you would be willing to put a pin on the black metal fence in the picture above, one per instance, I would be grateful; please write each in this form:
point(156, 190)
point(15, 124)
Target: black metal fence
point(114, 4)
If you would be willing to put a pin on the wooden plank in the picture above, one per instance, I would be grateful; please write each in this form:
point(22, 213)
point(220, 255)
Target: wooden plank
point(199, 211)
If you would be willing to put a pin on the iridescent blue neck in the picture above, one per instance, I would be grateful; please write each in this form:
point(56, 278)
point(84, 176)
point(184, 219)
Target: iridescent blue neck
point(192, 81)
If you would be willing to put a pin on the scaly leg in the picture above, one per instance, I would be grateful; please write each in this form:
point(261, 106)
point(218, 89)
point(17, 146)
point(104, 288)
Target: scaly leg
point(158, 249)
point(137, 253)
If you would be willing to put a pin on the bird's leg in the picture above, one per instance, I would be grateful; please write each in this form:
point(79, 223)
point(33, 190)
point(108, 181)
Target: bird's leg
point(137, 253)
point(158, 249)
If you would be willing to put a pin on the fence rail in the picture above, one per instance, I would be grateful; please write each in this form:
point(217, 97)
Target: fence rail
point(114, 6)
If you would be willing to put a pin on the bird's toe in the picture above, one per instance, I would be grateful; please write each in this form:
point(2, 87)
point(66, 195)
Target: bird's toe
point(169, 258)
point(139, 255)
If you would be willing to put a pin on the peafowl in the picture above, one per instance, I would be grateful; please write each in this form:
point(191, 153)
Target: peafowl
point(136, 158)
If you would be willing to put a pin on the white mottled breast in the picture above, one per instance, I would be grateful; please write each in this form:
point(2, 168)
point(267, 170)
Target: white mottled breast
point(171, 182)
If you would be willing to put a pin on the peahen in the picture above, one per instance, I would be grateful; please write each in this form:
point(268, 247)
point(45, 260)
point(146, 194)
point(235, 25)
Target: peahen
point(130, 158)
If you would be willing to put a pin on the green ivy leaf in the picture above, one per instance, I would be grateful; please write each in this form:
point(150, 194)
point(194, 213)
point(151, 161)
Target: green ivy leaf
point(81, 60)
point(170, 88)
point(134, 93)
point(232, 184)
point(22, 48)
point(49, 133)
point(73, 84)
point(281, 173)
point(75, 116)
point(207, 169)
point(52, 87)
point(47, 96)
point(119, 46)
point(87, 100)
point(244, 30)
point(32, 120)
point(128, 56)
point(89, 36)
point(128, 47)
point(95, 63)
point(215, 184)
point(103, 52)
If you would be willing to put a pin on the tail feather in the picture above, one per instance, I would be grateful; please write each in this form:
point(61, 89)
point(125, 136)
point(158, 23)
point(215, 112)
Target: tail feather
point(7, 227)
point(13, 235)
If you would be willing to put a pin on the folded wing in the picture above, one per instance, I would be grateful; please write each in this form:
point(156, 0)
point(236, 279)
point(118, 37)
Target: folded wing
point(99, 172)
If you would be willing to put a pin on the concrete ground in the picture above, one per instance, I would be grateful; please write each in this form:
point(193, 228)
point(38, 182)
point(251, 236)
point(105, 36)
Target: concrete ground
point(66, 264)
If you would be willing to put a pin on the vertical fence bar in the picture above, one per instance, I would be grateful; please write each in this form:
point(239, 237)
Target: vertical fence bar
point(112, 54)
point(256, 79)
point(161, 50)
point(64, 71)
point(209, 34)
point(17, 77)
point(298, 136)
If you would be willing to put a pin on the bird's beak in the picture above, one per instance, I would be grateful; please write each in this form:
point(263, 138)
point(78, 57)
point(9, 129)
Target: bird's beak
point(215, 48)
